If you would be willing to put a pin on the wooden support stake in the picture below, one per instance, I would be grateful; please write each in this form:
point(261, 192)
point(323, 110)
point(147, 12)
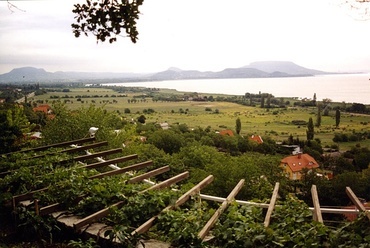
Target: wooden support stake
point(203, 233)
point(123, 170)
point(316, 205)
point(149, 174)
point(357, 202)
point(195, 190)
point(111, 161)
point(271, 205)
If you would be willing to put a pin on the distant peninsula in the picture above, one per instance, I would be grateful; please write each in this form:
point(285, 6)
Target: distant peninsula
point(262, 69)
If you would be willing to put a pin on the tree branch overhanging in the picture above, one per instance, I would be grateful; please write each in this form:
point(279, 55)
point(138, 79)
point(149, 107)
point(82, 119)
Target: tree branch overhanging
point(106, 19)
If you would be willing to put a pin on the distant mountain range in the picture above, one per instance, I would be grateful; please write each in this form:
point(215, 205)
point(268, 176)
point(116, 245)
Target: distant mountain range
point(264, 69)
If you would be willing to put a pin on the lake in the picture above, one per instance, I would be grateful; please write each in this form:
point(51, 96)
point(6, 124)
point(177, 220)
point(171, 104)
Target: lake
point(349, 88)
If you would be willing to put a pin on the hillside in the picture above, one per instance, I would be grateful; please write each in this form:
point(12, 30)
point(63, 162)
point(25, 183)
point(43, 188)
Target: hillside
point(263, 69)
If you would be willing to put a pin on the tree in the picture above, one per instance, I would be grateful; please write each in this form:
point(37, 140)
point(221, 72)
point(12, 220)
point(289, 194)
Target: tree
point(105, 19)
point(314, 99)
point(238, 125)
point(262, 101)
point(337, 118)
point(318, 118)
point(268, 101)
point(141, 119)
point(310, 129)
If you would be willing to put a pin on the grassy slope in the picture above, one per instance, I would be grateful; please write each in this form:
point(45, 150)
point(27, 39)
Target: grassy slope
point(275, 123)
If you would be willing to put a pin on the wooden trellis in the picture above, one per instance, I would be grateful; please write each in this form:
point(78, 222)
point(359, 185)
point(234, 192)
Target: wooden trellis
point(91, 223)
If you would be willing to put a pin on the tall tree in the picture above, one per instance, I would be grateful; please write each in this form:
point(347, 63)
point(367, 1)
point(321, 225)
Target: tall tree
point(238, 125)
point(310, 129)
point(262, 101)
point(268, 101)
point(318, 117)
point(337, 117)
point(314, 99)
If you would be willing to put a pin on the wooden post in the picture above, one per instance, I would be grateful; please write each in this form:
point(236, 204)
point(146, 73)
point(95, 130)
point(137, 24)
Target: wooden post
point(202, 234)
point(357, 202)
point(316, 205)
point(148, 224)
point(272, 205)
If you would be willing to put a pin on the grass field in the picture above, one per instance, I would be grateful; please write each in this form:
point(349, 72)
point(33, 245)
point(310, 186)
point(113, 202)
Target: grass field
point(276, 123)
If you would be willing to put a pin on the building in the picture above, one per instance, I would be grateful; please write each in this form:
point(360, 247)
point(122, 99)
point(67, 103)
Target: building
point(227, 132)
point(256, 138)
point(293, 165)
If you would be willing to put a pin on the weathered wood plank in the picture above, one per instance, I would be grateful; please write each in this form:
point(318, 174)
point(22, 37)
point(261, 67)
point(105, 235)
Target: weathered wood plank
point(181, 200)
point(317, 216)
point(123, 170)
point(203, 233)
point(149, 174)
point(104, 212)
point(26, 196)
point(95, 216)
point(272, 205)
point(357, 202)
point(111, 161)
point(169, 182)
point(74, 149)
point(90, 156)
point(62, 144)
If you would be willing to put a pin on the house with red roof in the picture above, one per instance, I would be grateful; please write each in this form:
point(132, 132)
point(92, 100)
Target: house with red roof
point(293, 165)
point(227, 132)
point(256, 138)
point(45, 108)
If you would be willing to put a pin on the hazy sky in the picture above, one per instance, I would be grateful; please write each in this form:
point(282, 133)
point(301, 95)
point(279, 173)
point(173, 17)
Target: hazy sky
point(189, 34)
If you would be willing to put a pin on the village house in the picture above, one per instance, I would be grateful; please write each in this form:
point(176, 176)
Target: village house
point(256, 138)
point(293, 165)
point(45, 108)
point(227, 132)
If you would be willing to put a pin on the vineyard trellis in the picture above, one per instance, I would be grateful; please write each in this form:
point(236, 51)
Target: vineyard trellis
point(91, 224)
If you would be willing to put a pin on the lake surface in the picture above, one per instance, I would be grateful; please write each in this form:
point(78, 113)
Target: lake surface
point(349, 88)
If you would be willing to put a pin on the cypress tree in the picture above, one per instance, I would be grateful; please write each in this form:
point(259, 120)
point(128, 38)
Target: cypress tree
point(310, 129)
point(337, 118)
point(238, 125)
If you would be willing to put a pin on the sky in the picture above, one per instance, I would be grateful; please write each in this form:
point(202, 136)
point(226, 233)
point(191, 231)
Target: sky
point(205, 35)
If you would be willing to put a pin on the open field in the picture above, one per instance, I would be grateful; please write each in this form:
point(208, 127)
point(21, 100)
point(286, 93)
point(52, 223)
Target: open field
point(276, 123)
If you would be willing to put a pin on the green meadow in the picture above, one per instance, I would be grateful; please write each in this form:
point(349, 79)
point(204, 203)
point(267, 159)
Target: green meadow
point(275, 123)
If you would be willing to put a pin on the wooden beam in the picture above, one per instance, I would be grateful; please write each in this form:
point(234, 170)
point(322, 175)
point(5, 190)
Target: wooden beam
point(203, 233)
point(104, 212)
point(123, 170)
point(169, 182)
point(111, 161)
point(62, 144)
point(195, 190)
point(74, 149)
point(272, 205)
point(317, 216)
point(90, 156)
point(149, 174)
point(95, 216)
point(26, 196)
point(357, 202)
